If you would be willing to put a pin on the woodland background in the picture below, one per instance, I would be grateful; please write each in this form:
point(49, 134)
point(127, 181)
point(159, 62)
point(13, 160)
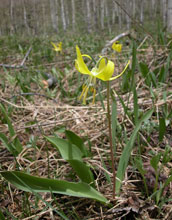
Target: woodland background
point(57, 16)
point(32, 111)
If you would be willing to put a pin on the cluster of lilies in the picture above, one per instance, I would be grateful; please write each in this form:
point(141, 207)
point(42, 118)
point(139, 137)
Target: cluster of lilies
point(103, 70)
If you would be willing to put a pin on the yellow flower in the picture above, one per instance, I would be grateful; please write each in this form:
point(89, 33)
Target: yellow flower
point(57, 47)
point(103, 70)
point(116, 46)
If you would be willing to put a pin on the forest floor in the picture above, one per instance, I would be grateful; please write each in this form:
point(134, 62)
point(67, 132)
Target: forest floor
point(36, 111)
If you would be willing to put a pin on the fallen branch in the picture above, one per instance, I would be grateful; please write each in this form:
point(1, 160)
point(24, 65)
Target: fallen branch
point(21, 65)
point(25, 57)
point(109, 43)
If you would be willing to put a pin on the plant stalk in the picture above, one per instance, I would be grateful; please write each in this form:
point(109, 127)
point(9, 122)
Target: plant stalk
point(110, 139)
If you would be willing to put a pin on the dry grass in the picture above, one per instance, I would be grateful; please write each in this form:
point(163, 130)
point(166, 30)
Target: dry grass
point(90, 123)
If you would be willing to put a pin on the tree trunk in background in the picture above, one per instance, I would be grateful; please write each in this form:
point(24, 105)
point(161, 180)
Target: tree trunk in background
point(128, 7)
point(164, 11)
point(107, 16)
point(35, 18)
point(54, 15)
point(67, 6)
point(134, 8)
point(102, 14)
point(169, 16)
point(153, 8)
point(88, 16)
point(63, 15)
point(141, 11)
point(12, 26)
point(113, 13)
point(119, 17)
point(42, 16)
point(95, 14)
point(25, 17)
point(73, 15)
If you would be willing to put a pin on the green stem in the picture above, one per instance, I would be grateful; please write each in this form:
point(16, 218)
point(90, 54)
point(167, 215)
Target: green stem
point(110, 138)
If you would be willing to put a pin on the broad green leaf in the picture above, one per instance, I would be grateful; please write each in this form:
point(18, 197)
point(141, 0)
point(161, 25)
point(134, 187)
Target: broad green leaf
point(30, 183)
point(67, 150)
point(83, 171)
point(127, 151)
point(72, 154)
point(77, 141)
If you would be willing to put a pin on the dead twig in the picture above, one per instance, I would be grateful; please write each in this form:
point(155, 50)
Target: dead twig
point(109, 43)
point(21, 64)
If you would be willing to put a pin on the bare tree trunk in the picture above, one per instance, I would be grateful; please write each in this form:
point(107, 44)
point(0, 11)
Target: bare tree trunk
point(129, 11)
point(102, 13)
point(141, 11)
point(134, 8)
point(12, 26)
point(164, 11)
point(54, 15)
point(63, 15)
point(66, 9)
point(44, 17)
point(119, 17)
point(107, 15)
point(113, 13)
point(169, 16)
point(88, 16)
point(25, 17)
point(73, 15)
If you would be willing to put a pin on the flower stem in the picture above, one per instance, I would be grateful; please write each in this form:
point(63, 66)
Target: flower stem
point(110, 139)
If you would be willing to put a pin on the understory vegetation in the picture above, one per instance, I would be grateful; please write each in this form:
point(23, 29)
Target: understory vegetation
point(54, 151)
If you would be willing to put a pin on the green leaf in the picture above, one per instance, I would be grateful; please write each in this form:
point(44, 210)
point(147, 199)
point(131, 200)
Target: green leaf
point(83, 171)
point(10, 127)
point(16, 143)
point(144, 69)
point(139, 165)
point(30, 183)
point(127, 151)
point(162, 128)
point(133, 65)
point(68, 151)
point(77, 141)
point(72, 154)
point(153, 79)
point(8, 145)
point(136, 107)
point(154, 161)
point(2, 216)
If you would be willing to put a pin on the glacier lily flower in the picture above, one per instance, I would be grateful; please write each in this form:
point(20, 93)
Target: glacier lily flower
point(103, 70)
point(57, 47)
point(116, 46)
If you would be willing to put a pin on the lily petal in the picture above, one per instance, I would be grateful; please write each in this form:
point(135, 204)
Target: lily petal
point(80, 64)
point(104, 71)
point(115, 77)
